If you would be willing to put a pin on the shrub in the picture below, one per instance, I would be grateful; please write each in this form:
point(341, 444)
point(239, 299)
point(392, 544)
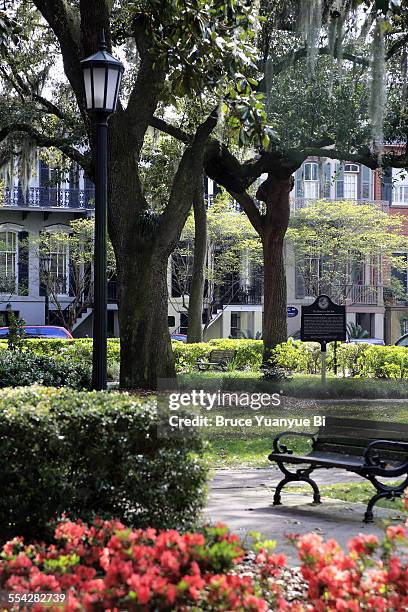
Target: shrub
point(348, 357)
point(384, 362)
point(19, 369)
point(86, 453)
point(78, 351)
point(248, 352)
point(186, 355)
point(297, 356)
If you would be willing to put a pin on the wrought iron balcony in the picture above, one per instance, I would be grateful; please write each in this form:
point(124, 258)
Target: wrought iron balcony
point(49, 197)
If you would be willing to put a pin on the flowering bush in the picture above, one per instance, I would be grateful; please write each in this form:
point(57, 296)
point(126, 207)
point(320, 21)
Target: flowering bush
point(370, 577)
point(105, 566)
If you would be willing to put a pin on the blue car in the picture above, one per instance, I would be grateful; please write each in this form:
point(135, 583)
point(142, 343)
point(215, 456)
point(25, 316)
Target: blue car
point(179, 337)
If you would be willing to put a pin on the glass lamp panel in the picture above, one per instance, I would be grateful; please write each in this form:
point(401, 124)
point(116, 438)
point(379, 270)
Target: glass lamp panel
point(99, 87)
point(88, 87)
point(113, 76)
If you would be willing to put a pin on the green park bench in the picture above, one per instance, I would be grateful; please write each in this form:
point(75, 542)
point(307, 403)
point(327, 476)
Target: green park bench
point(218, 359)
point(371, 449)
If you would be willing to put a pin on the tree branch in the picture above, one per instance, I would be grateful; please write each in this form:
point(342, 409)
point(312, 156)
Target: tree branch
point(302, 53)
point(172, 130)
point(64, 21)
point(43, 140)
point(251, 210)
point(183, 189)
point(396, 46)
point(365, 157)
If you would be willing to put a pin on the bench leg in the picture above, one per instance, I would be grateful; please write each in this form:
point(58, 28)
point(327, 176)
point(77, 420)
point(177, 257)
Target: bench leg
point(298, 477)
point(368, 515)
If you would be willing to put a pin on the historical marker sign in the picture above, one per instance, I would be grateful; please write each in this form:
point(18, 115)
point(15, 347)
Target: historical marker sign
point(323, 321)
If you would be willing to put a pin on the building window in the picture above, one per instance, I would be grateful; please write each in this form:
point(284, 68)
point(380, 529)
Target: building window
point(59, 267)
point(235, 324)
point(311, 182)
point(8, 262)
point(400, 194)
point(351, 168)
point(350, 185)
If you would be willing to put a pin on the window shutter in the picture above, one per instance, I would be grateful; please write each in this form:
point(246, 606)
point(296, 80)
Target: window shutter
point(88, 185)
point(386, 185)
point(44, 184)
point(327, 178)
point(71, 278)
point(339, 181)
point(299, 282)
point(365, 183)
point(74, 186)
point(23, 263)
point(299, 183)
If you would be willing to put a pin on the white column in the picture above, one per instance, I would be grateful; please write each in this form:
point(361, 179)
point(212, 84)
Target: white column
point(379, 325)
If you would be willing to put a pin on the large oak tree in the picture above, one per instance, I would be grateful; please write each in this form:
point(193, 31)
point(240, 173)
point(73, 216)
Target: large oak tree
point(175, 49)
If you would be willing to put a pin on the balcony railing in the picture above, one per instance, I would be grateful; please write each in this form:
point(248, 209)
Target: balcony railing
point(297, 204)
point(352, 295)
point(49, 197)
point(364, 294)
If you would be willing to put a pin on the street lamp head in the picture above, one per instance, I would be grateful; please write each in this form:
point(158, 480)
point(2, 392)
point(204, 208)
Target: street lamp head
point(102, 77)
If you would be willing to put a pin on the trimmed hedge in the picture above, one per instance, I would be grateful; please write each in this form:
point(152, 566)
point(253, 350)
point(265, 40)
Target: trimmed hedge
point(356, 360)
point(26, 368)
point(77, 352)
point(92, 454)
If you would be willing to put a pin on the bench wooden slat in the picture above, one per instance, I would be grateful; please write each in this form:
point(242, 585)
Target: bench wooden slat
point(386, 453)
point(360, 426)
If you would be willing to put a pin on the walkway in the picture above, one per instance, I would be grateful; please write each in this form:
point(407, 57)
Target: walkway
point(242, 499)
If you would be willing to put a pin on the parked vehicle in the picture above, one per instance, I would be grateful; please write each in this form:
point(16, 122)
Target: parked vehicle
point(377, 341)
point(179, 337)
point(40, 331)
point(403, 341)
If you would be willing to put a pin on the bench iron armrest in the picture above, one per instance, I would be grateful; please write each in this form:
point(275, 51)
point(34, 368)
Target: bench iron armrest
point(278, 447)
point(374, 460)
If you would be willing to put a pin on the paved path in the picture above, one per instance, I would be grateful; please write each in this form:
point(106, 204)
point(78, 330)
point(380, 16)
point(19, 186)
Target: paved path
point(243, 500)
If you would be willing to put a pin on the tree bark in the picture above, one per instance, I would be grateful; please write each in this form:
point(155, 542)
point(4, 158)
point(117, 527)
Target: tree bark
point(275, 193)
point(274, 327)
point(146, 353)
point(195, 305)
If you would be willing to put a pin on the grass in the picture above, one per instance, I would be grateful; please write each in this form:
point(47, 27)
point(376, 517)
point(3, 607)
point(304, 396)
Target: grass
point(301, 385)
point(350, 492)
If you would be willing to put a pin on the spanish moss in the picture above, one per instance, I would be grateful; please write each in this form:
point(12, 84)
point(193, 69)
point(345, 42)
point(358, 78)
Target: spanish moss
point(310, 24)
point(28, 163)
point(378, 86)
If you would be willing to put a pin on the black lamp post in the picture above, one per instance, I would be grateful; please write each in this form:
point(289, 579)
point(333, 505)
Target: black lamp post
point(102, 76)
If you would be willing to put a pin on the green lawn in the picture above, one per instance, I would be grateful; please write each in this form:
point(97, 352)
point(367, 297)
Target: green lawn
point(238, 446)
point(301, 385)
point(350, 492)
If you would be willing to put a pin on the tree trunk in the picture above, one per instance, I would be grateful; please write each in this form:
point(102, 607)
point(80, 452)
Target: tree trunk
point(275, 193)
point(146, 354)
point(195, 305)
point(274, 329)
